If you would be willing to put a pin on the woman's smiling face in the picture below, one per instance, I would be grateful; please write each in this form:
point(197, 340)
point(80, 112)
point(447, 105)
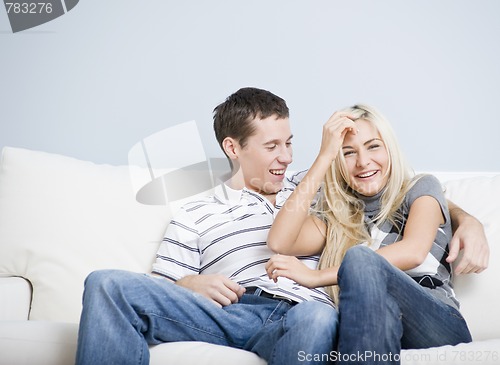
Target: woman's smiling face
point(366, 159)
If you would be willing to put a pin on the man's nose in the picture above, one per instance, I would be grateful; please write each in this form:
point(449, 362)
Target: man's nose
point(285, 155)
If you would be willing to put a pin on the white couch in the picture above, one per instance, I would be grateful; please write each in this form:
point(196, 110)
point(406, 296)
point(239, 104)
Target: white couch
point(61, 218)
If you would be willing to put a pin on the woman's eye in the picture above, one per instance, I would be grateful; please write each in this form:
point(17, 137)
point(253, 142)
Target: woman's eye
point(349, 153)
point(374, 146)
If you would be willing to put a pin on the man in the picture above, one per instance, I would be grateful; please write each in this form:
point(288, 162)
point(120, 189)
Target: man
point(210, 280)
point(223, 237)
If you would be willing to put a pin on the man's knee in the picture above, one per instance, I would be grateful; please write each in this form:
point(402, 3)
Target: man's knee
point(104, 281)
point(317, 315)
point(315, 325)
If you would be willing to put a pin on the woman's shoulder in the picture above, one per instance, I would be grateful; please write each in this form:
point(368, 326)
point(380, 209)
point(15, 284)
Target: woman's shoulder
point(425, 181)
point(425, 184)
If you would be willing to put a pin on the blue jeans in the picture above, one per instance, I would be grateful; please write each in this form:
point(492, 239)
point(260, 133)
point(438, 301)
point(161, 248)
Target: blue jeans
point(383, 310)
point(124, 312)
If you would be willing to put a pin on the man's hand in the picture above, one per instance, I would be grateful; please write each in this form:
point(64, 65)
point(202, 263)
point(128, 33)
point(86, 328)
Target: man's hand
point(218, 288)
point(469, 236)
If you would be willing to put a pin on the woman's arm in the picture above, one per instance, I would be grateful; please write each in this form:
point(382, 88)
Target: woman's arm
point(423, 221)
point(294, 232)
point(292, 268)
point(421, 226)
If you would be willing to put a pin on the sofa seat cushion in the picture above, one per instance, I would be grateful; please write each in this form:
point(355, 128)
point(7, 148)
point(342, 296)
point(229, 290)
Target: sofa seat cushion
point(486, 352)
point(37, 342)
point(54, 343)
point(200, 353)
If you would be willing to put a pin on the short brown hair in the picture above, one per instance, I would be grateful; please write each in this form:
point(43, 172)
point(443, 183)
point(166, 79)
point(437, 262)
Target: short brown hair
point(233, 118)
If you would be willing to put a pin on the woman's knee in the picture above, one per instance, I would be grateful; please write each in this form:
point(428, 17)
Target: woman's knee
point(359, 253)
point(361, 263)
point(361, 256)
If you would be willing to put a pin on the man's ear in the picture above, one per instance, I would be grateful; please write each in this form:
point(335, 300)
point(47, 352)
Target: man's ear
point(231, 147)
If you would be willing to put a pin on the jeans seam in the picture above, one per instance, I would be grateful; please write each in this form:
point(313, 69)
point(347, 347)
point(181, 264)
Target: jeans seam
point(282, 319)
point(187, 325)
point(136, 324)
point(280, 304)
point(457, 315)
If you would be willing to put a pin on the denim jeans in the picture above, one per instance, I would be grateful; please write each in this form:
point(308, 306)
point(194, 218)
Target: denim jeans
point(383, 310)
point(124, 312)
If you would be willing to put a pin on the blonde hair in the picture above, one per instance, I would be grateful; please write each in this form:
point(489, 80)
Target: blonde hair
point(343, 211)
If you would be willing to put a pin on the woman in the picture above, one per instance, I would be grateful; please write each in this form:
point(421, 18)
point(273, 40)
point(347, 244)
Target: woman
point(384, 238)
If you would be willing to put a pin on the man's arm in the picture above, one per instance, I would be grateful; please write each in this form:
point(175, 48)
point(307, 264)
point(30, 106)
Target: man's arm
point(469, 236)
point(218, 288)
point(178, 257)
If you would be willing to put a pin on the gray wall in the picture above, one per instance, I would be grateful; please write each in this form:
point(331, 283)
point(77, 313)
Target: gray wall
point(95, 81)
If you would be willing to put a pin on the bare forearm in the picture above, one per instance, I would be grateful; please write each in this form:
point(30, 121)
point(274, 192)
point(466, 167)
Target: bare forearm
point(458, 215)
point(399, 255)
point(328, 277)
point(290, 219)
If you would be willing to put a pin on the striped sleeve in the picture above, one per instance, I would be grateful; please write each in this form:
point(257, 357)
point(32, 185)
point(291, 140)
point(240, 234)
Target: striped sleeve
point(178, 254)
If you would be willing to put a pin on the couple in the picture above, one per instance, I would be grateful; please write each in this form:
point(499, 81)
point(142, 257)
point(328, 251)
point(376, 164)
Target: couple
point(362, 265)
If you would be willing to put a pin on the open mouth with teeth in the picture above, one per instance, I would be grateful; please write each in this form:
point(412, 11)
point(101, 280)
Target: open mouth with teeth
point(277, 172)
point(368, 174)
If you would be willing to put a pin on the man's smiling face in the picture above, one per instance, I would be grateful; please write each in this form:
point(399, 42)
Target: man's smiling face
point(266, 155)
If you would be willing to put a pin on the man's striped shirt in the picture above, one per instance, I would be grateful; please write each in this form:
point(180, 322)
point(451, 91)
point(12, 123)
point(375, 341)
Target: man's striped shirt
point(226, 234)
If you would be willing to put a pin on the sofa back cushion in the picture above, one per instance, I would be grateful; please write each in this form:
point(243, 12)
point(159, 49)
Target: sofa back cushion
point(61, 218)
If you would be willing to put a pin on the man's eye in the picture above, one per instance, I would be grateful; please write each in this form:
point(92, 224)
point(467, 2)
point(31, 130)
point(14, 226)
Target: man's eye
point(288, 144)
point(271, 147)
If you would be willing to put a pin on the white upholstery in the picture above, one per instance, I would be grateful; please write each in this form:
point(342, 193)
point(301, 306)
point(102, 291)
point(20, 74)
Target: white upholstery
point(15, 299)
point(480, 196)
point(37, 342)
point(61, 218)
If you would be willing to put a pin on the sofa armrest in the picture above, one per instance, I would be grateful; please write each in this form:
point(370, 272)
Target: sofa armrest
point(15, 298)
